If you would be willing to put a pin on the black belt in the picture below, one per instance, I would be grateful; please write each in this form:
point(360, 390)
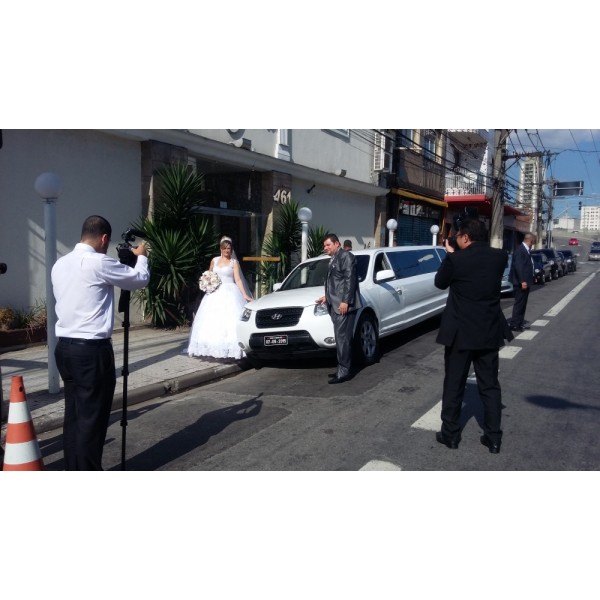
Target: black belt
point(84, 342)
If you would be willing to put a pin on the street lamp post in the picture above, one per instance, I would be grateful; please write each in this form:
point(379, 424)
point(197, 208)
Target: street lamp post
point(305, 215)
point(392, 225)
point(434, 231)
point(49, 187)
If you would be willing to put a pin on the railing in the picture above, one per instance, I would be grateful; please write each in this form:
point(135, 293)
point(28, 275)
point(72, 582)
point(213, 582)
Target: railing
point(456, 185)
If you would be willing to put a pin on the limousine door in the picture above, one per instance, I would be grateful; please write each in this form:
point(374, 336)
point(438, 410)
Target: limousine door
point(387, 295)
point(415, 270)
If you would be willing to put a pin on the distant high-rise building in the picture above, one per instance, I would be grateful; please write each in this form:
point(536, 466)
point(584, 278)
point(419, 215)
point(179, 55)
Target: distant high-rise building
point(590, 217)
point(528, 197)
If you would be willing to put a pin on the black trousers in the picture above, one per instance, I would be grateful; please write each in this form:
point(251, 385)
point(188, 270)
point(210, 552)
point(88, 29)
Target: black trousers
point(343, 329)
point(457, 363)
point(518, 311)
point(88, 373)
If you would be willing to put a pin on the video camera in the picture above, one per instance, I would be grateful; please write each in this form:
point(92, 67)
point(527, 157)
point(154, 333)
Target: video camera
point(126, 256)
point(469, 213)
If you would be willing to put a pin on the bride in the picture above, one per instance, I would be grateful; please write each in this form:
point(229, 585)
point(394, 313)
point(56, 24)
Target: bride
point(214, 328)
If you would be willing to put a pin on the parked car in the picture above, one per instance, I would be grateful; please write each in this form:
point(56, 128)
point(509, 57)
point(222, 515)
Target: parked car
point(555, 261)
point(542, 269)
point(397, 291)
point(571, 259)
point(573, 242)
point(507, 288)
point(563, 264)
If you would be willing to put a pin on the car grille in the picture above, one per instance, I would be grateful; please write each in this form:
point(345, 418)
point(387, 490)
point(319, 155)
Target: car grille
point(278, 317)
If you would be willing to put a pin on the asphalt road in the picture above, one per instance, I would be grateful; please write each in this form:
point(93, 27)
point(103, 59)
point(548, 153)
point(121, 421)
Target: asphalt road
point(285, 416)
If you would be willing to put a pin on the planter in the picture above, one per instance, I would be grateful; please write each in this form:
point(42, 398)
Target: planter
point(22, 337)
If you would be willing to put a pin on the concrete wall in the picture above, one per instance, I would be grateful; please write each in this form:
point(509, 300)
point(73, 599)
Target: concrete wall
point(100, 175)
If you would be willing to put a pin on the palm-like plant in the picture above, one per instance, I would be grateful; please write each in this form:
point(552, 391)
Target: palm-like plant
point(181, 242)
point(316, 235)
point(282, 243)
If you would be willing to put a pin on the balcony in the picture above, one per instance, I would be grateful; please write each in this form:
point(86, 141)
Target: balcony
point(457, 185)
point(469, 137)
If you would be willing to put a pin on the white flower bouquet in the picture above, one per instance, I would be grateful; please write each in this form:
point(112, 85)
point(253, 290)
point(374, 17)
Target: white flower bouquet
point(209, 282)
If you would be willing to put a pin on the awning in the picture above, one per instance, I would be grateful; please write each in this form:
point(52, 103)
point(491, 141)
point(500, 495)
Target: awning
point(413, 196)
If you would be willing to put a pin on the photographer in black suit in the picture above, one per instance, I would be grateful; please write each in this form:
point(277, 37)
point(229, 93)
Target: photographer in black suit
point(472, 329)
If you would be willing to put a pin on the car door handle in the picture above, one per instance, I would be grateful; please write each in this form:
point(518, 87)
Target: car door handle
point(399, 292)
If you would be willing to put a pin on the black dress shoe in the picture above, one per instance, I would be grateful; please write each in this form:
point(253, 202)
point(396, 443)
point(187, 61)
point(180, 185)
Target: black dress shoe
point(494, 448)
point(526, 325)
point(331, 375)
point(513, 328)
point(452, 444)
point(337, 379)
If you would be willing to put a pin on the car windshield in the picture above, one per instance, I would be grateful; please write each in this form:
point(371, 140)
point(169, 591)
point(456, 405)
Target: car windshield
point(313, 273)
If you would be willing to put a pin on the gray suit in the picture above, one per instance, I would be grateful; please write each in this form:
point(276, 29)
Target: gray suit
point(341, 285)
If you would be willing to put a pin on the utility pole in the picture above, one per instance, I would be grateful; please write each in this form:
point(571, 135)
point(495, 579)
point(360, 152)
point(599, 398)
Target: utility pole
point(497, 219)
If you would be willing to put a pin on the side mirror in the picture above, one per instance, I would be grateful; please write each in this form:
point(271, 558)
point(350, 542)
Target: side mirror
point(276, 286)
point(385, 275)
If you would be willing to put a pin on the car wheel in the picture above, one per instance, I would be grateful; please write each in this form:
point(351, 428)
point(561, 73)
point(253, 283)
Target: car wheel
point(366, 340)
point(555, 274)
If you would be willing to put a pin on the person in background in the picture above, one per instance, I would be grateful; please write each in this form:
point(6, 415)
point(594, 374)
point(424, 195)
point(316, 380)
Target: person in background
point(83, 282)
point(347, 245)
point(521, 276)
point(343, 300)
point(213, 331)
point(472, 329)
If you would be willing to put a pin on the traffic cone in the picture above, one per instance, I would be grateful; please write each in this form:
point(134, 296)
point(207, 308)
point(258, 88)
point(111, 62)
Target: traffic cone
point(22, 451)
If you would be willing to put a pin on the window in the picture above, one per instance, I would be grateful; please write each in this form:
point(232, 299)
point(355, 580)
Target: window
point(414, 262)
point(428, 143)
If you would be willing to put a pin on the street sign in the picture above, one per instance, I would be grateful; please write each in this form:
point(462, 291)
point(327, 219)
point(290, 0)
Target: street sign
point(567, 188)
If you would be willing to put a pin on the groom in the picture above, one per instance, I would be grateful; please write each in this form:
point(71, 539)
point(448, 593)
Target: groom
point(343, 300)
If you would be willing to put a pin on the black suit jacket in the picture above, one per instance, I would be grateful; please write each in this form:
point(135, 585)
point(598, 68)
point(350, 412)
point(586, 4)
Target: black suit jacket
point(473, 318)
point(521, 268)
point(341, 284)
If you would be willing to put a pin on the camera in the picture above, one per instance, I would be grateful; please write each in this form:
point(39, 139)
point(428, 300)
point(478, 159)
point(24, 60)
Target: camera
point(126, 256)
point(2, 268)
point(457, 220)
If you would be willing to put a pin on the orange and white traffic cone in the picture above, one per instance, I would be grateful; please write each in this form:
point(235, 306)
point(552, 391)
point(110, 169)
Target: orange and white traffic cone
point(22, 451)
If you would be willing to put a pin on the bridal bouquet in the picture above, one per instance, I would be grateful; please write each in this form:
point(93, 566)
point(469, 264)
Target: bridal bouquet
point(209, 282)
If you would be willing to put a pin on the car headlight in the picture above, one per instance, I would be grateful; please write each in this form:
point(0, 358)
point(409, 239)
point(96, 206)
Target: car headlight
point(537, 270)
point(246, 314)
point(321, 309)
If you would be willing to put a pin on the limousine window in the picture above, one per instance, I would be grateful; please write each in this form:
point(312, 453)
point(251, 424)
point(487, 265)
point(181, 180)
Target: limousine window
point(414, 262)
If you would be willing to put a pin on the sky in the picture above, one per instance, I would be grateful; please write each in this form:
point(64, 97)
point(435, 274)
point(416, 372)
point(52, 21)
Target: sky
point(574, 155)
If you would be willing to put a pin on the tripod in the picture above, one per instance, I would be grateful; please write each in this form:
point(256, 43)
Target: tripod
point(124, 308)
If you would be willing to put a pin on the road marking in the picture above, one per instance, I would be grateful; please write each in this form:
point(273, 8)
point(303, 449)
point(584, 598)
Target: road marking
point(540, 322)
point(431, 420)
point(560, 305)
point(527, 335)
point(380, 465)
point(509, 352)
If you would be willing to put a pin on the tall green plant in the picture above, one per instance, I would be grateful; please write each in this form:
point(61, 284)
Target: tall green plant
point(316, 235)
point(181, 243)
point(283, 242)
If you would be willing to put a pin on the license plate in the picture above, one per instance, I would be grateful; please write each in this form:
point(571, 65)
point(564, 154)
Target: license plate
point(276, 340)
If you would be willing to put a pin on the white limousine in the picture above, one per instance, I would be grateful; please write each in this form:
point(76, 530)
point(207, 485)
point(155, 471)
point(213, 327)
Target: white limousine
point(396, 288)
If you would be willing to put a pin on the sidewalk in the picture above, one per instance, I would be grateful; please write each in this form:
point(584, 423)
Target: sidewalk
point(157, 361)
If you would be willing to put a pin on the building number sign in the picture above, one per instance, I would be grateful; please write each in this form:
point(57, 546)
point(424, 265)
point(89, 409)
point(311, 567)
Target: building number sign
point(282, 196)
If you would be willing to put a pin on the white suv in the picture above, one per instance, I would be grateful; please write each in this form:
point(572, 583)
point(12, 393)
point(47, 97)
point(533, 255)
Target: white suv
point(396, 288)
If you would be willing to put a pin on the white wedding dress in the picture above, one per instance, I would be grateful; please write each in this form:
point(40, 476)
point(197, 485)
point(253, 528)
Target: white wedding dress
point(214, 328)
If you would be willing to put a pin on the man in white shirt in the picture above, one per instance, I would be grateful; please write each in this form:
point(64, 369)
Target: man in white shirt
point(83, 283)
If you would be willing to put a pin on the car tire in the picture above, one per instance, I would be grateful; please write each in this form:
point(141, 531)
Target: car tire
point(555, 274)
point(366, 340)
